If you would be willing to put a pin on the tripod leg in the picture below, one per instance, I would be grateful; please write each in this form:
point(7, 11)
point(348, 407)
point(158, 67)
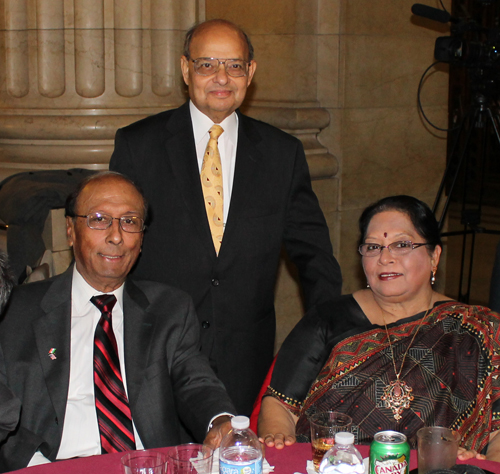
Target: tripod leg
point(461, 296)
point(472, 249)
point(457, 171)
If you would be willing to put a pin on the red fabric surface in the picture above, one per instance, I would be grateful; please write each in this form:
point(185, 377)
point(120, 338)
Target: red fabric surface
point(256, 406)
point(294, 459)
point(285, 461)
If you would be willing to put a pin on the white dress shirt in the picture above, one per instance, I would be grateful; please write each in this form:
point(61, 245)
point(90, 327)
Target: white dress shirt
point(227, 144)
point(80, 436)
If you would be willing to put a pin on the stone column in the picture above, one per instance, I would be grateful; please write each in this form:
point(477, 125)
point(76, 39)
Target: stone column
point(73, 71)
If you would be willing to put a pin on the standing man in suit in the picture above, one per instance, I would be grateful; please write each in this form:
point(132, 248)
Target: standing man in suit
point(101, 363)
point(223, 248)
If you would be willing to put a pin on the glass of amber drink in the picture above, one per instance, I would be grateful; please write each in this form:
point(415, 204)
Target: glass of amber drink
point(324, 425)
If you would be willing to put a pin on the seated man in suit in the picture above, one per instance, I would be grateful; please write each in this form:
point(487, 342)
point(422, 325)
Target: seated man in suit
point(9, 404)
point(102, 363)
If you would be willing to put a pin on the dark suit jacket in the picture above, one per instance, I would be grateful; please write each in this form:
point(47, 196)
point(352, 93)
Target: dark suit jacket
point(9, 404)
point(272, 203)
point(169, 381)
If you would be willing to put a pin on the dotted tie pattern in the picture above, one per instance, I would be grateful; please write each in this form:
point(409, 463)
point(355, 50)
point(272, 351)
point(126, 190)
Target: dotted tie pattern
point(211, 183)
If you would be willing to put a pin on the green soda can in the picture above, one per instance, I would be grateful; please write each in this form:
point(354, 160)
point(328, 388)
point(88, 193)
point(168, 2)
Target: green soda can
point(389, 453)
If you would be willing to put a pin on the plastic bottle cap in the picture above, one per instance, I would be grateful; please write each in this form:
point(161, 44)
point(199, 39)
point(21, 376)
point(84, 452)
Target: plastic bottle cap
point(343, 438)
point(240, 422)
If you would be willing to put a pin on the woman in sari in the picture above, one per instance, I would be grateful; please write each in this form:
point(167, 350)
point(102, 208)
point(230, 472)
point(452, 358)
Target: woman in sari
point(396, 355)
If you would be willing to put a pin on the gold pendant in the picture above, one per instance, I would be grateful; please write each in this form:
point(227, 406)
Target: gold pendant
point(397, 396)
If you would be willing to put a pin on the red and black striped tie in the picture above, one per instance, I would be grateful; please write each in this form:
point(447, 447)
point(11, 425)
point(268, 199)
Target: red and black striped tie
point(113, 411)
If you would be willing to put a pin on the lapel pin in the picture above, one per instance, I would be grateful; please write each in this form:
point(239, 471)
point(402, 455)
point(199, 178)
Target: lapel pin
point(52, 353)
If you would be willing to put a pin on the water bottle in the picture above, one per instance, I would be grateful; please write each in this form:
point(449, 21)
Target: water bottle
point(240, 449)
point(342, 457)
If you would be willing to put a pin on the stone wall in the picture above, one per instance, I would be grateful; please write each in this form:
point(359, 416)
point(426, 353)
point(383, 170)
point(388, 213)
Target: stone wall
point(342, 75)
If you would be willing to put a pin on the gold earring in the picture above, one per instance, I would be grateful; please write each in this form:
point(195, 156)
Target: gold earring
point(433, 277)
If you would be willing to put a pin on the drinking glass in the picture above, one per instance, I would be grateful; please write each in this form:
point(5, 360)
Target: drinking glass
point(324, 425)
point(145, 461)
point(190, 458)
point(437, 448)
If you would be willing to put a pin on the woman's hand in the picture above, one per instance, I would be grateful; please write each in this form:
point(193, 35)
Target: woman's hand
point(276, 424)
point(493, 452)
point(464, 454)
point(278, 440)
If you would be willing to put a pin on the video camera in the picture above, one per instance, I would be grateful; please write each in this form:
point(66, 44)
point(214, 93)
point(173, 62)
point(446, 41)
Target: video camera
point(483, 51)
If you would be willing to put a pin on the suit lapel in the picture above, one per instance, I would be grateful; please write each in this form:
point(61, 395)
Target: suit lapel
point(181, 154)
point(52, 331)
point(246, 173)
point(138, 332)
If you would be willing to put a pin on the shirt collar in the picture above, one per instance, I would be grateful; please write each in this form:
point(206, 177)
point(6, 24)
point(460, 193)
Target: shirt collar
point(202, 124)
point(81, 292)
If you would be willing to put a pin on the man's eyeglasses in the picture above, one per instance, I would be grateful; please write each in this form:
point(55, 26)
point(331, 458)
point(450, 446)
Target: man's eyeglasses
point(401, 247)
point(209, 66)
point(99, 221)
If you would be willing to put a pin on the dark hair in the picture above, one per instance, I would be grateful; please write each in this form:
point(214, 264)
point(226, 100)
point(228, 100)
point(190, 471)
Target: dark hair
point(194, 30)
point(72, 199)
point(419, 213)
point(6, 280)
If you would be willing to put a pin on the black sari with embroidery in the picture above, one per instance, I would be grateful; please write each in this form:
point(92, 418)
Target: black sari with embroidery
point(335, 359)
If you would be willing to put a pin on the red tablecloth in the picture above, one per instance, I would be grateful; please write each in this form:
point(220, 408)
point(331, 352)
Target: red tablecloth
point(285, 461)
point(294, 458)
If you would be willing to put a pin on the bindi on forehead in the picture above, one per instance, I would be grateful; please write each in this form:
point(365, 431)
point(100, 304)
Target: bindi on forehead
point(385, 234)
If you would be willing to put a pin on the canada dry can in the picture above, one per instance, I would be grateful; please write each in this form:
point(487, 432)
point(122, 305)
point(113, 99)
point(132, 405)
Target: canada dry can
point(389, 453)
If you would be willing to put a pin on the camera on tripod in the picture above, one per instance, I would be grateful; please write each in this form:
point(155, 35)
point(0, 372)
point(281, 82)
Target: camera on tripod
point(458, 50)
point(470, 45)
point(473, 52)
point(483, 51)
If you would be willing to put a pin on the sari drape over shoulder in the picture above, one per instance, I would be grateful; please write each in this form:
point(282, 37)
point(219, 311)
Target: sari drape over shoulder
point(452, 367)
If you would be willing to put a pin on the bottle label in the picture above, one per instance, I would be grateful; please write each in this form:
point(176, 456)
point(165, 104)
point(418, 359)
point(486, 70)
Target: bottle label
point(253, 467)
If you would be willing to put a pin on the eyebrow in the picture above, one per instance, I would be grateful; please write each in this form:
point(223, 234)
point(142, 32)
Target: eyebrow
point(126, 213)
point(397, 236)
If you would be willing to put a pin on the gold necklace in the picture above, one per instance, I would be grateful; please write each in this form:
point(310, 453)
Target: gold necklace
point(398, 394)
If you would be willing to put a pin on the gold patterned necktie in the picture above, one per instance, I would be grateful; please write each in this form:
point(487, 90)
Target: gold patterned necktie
point(211, 183)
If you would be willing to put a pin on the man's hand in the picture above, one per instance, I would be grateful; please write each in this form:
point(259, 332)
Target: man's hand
point(220, 427)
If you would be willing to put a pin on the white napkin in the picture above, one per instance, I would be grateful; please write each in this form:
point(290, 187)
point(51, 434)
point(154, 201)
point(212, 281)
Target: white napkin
point(266, 468)
point(310, 466)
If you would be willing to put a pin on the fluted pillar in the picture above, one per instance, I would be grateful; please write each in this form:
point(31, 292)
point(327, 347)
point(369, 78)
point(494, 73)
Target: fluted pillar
point(76, 70)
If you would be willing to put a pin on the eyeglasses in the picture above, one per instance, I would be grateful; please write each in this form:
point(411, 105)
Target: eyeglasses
point(209, 66)
point(99, 221)
point(401, 247)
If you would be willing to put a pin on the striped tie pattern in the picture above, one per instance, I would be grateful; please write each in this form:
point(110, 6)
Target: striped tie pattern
point(211, 183)
point(113, 411)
